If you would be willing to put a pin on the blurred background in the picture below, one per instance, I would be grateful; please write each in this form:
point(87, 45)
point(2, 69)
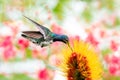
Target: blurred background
point(94, 21)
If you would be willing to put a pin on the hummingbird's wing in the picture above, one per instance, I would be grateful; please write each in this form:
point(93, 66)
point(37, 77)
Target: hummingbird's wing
point(32, 34)
point(43, 30)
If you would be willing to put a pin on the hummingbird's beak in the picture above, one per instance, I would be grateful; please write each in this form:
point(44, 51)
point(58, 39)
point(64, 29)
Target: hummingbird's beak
point(69, 46)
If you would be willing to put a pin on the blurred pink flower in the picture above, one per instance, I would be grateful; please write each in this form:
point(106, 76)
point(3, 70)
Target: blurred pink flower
point(72, 38)
point(54, 60)
point(57, 29)
point(9, 53)
point(114, 66)
point(23, 43)
point(7, 41)
point(111, 19)
point(35, 53)
point(103, 34)
point(43, 74)
point(107, 58)
point(115, 59)
point(113, 63)
point(44, 52)
point(92, 39)
point(113, 69)
point(8, 48)
point(114, 46)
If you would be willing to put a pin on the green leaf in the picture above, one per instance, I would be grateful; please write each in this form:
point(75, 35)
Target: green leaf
point(115, 78)
point(87, 15)
point(106, 51)
point(2, 77)
point(16, 59)
point(21, 77)
point(111, 77)
point(28, 53)
point(58, 10)
point(28, 3)
point(117, 22)
point(109, 4)
point(88, 1)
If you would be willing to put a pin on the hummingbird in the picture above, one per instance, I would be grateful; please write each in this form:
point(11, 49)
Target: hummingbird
point(44, 36)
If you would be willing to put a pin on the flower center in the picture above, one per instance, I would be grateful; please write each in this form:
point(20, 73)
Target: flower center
point(78, 68)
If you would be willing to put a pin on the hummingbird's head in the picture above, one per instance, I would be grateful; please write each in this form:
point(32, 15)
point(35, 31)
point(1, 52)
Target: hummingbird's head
point(64, 39)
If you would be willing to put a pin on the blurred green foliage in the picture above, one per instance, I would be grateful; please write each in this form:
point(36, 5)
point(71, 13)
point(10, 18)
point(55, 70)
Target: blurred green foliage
point(28, 53)
point(109, 4)
point(87, 15)
point(2, 77)
point(16, 77)
point(106, 51)
point(59, 8)
point(117, 22)
point(112, 78)
point(21, 77)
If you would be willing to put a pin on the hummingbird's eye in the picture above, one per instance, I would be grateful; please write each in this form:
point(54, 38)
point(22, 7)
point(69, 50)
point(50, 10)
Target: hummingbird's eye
point(33, 42)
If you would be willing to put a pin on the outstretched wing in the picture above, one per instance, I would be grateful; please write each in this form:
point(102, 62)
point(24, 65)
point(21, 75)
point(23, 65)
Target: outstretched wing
point(32, 34)
point(43, 30)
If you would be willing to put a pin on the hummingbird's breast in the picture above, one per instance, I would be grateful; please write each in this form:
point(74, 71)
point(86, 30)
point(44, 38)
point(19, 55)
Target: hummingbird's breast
point(46, 43)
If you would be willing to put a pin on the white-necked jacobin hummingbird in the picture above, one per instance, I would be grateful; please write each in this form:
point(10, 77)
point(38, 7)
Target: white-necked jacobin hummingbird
point(44, 36)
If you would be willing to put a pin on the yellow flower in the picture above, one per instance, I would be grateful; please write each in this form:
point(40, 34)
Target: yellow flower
point(82, 63)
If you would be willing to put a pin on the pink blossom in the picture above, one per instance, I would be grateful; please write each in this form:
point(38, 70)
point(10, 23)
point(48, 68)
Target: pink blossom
point(54, 60)
point(115, 59)
point(113, 63)
point(107, 58)
point(102, 34)
point(9, 53)
point(72, 38)
point(113, 69)
point(8, 48)
point(44, 52)
point(112, 19)
point(114, 45)
point(23, 43)
point(7, 42)
point(35, 53)
point(92, 39)
point(43, 75)
point(57, 29)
